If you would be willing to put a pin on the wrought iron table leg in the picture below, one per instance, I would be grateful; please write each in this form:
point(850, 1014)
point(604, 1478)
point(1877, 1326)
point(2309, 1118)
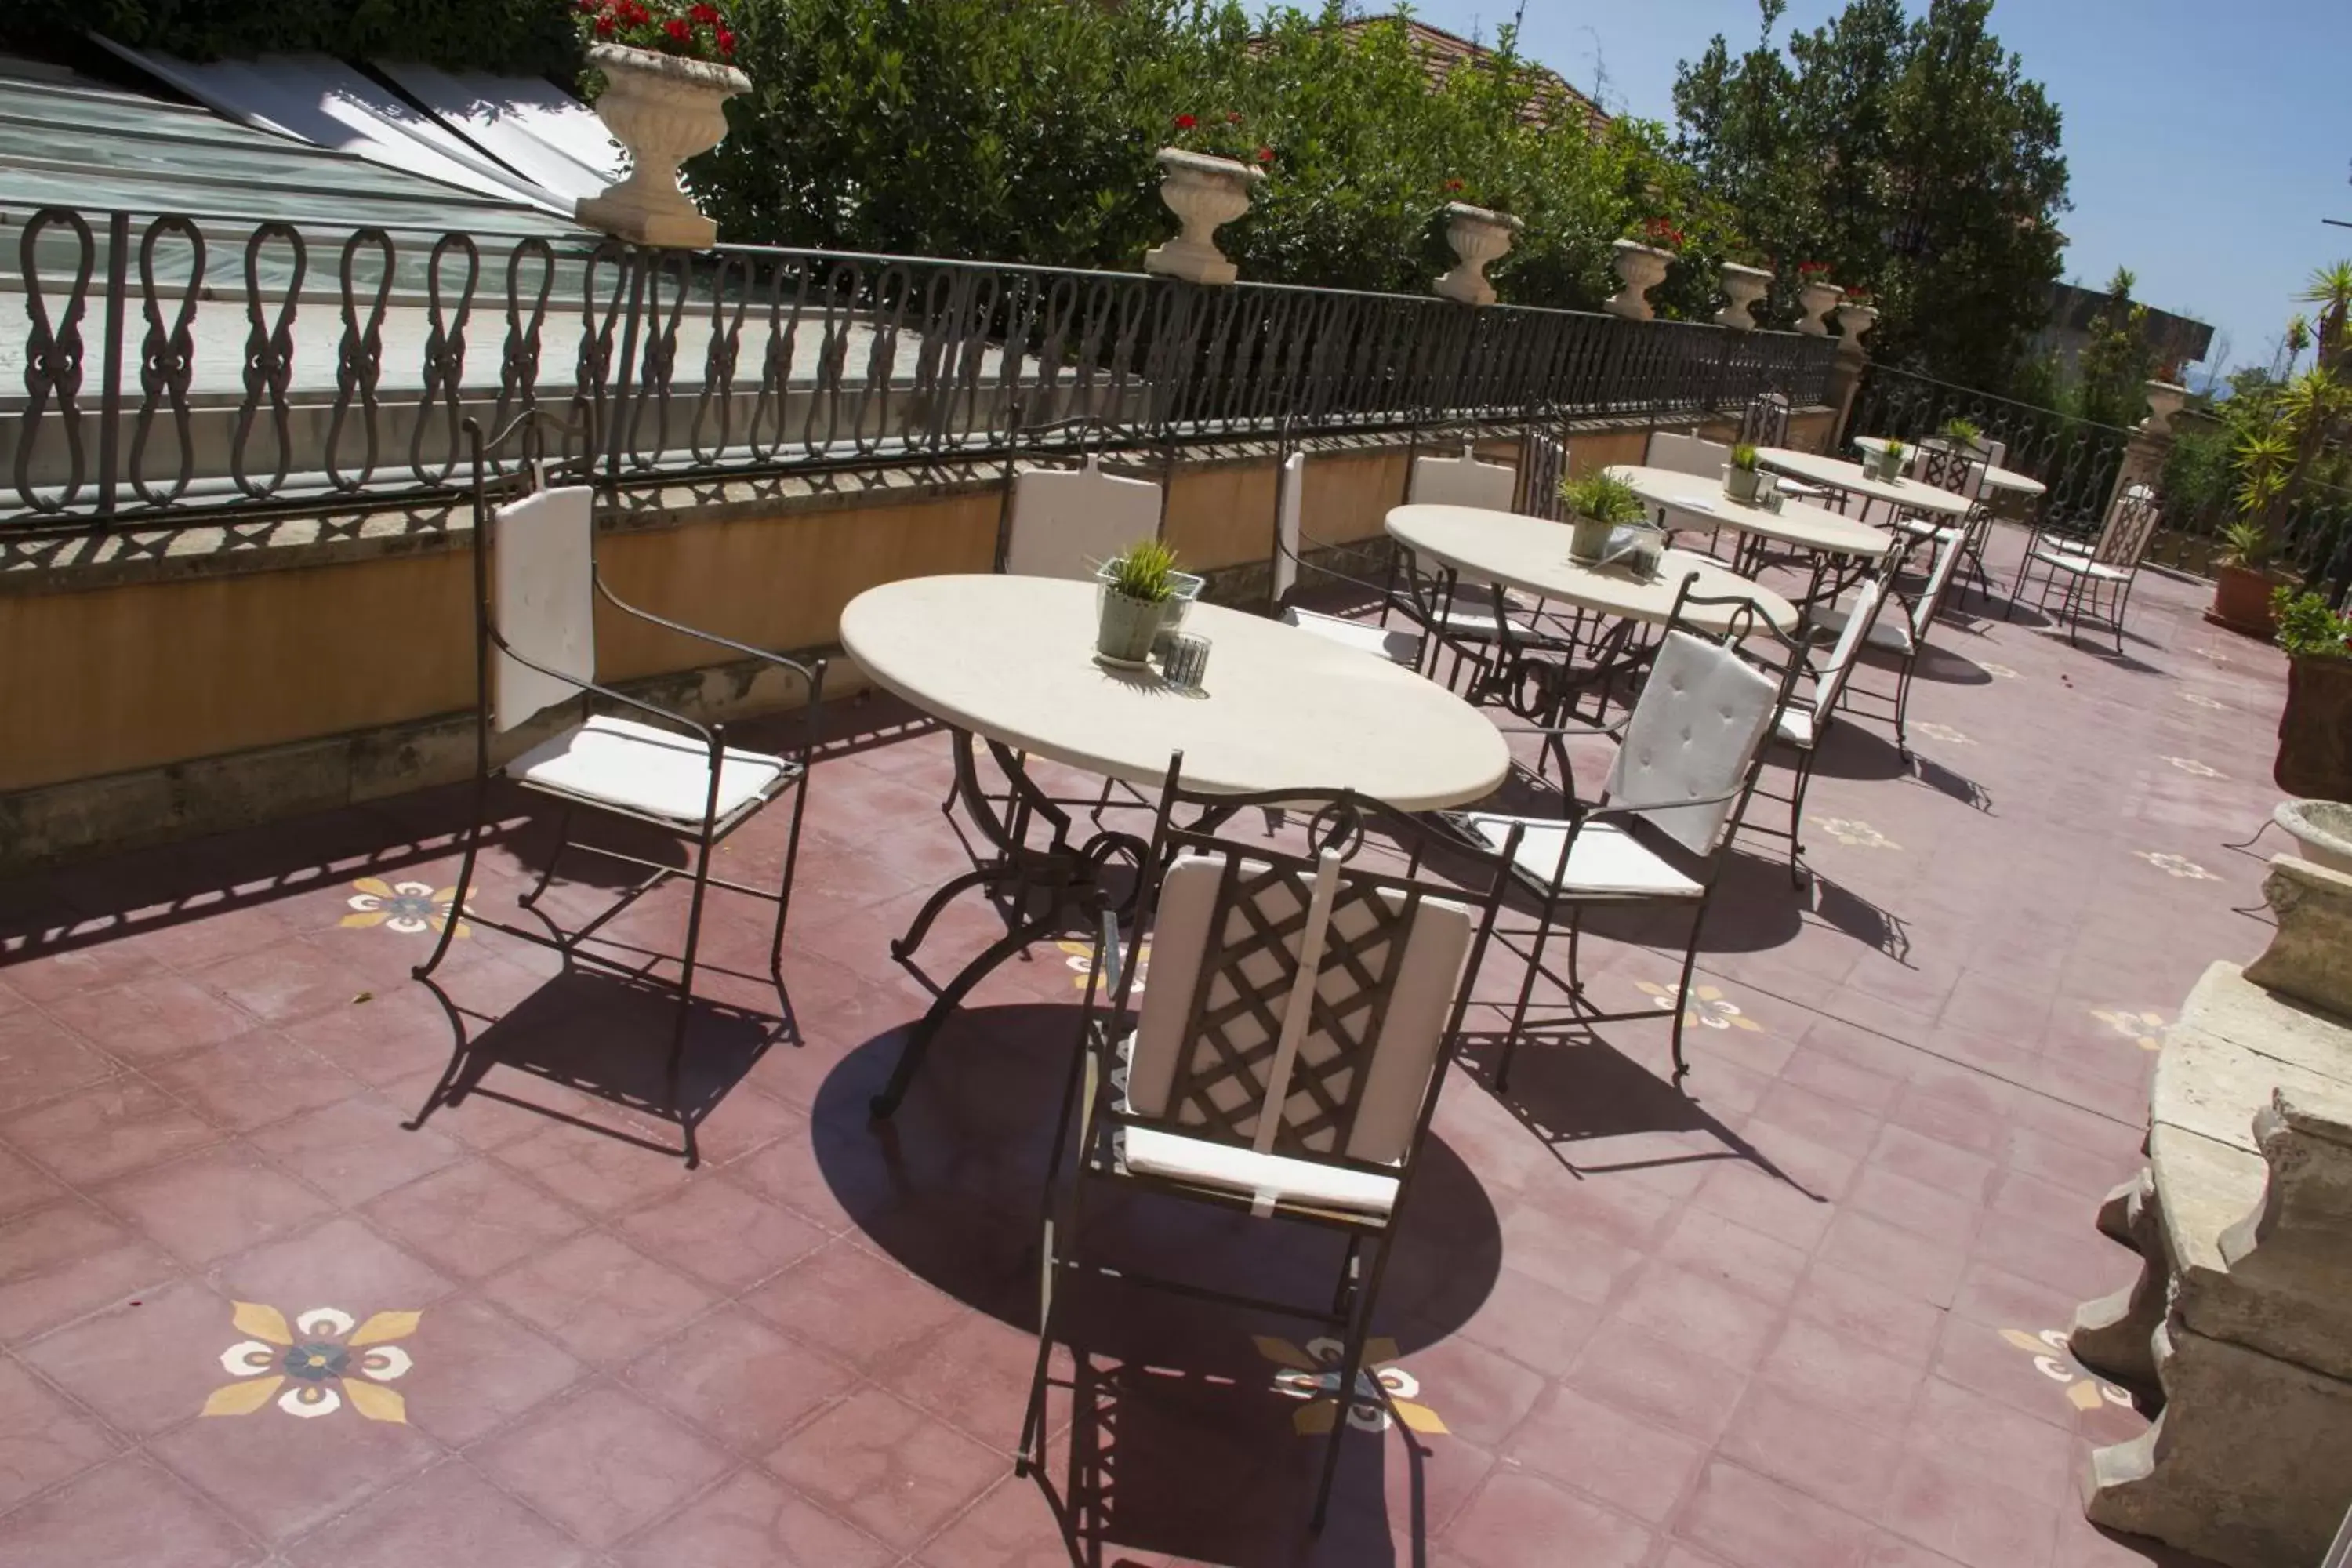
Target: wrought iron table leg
point(919, 1042)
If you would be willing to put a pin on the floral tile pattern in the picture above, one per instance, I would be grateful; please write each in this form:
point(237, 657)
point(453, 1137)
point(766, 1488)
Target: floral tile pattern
point(1998, 671)
point(2196, 769)
point(1856, 833)
point(2144, 1030)
point(1708, 1007)
point(321, 1347)
point(1945, 733)
point(408, 907)
point(2054, 1361)
point(1384, 1391)
point(2176, 866)
point(1080, 957)
point(2198, 699)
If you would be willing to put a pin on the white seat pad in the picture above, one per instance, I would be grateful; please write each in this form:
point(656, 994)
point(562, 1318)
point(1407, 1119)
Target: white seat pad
point(1894, 635)
point(1393, 644)
point(1919, 528)
point(1147, 1151)
point(660, 773)
point(1479, 623)
point(2066, 561)
point(1605, 859)
point(1798, 726)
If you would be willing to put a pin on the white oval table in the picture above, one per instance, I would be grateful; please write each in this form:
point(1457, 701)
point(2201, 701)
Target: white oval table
point(1837, 474)
point(1996, 477)
point(1530, 553)
point(1797, 524)
point(1011, 660)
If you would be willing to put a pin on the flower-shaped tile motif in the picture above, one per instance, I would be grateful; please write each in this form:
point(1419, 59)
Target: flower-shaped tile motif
point(409, 908)
point(2176, 866)
point(1945, 733)
point(2196, 769)
point(1708, 1007)
point(1382, 1387)
point(2198, 699)
point(327, 1362)
point(2054, 1361)
point(1998, 671)
point(1858, 835)
point(1080, 957)
point(2144, 1030)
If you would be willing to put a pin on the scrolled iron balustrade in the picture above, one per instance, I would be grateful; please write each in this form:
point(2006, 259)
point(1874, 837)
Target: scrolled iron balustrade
point(277, 387)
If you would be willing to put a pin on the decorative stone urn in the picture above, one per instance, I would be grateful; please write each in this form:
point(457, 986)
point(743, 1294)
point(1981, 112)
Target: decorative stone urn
point(664, 110)
point(1742, 286)
point(1479, 237)
point(1642, 268)
point(1853, 320)
point(1203, 192)
point(2165, 399)
point(1816, 301)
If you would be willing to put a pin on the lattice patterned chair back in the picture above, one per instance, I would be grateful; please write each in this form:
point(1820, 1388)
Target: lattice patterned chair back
point(1686, 454)
point(2131, 523)
point(1766, 421)
point(1462, 481)
point(1959, 470)
point(1296, 1017)
point(1543, 464)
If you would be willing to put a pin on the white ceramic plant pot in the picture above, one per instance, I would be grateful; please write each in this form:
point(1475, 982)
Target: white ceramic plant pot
point(1125, 626)
point(1816, 302)
point(1853, 320)
point(2165, 399)
point(664, 110)
point(1479, 237)
point(1588, 539)
point(1203, 192)
point(1742, 286)
point(1640, 267)
point(2322, 831)
point(1746, 485)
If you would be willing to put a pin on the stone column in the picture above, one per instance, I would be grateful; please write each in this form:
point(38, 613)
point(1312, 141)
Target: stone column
point(2150, 443)
point(1852, 359)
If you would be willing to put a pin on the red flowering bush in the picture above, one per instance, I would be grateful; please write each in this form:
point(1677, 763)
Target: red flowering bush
point(697, 32)
point(1220, 136)
point(1661, 234)
point(1813, 271)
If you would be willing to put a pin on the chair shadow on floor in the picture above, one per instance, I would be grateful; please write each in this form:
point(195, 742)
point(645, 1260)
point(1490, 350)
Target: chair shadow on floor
point(604, 1037)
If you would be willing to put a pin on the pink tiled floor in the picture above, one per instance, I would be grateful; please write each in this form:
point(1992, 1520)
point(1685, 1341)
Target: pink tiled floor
point(1770, 1324)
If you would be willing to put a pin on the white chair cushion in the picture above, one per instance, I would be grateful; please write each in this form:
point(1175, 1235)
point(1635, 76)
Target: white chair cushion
point(2080, 563)
point(1920, 528)
point(1394, 644)
point(1069, 522)
point(1604, 858)
point(544, 568)
point(660, 773)
point(1463, 481)
point(1798, 726)
point(1894, 635)
point(1702, 713)
point(1686, 455)
point(1479, 623)
point(1149, 1151)
point(1403, 1057)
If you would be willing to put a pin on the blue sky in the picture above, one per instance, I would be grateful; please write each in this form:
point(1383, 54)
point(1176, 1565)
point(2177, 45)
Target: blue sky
point(2205, 141)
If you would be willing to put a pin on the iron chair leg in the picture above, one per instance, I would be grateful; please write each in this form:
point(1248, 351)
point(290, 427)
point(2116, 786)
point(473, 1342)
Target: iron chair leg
point(1351, 1370)
point(1682, 991)
point(1801, 779)
point(675, 1071)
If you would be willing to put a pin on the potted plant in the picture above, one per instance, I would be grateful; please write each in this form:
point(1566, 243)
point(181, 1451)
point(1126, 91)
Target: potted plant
point(1138, 590)
point(1962, 434)
point(1207, 172)
point(2314, 752)
point(1598, 505)
point(666, 83)
point(1479, 237)
point(1642, 264)
point(1743, 481)
point(1816, 295)
point(1742, 286)
point(1891, 460)
point(2245, 585)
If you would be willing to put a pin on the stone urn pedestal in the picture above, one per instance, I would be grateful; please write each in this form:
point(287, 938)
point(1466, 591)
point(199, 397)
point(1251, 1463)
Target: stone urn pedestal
point(1640, 267)
point(1203, 192)
point(1853, 320)
point(1480, 237)
point(664, 110)
point(1742, 287)
point(1814, 304)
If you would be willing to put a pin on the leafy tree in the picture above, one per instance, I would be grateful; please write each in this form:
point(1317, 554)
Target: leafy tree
point(1910, 153)
point(2118, 361)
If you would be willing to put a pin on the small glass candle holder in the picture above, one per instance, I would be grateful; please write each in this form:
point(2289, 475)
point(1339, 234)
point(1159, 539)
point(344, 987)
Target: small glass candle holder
point(1186, 662)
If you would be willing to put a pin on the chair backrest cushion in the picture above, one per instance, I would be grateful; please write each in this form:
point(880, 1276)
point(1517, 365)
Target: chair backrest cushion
point(1229, 942)
point(1829, 679)
point(1069, 522)
point(1544, 466)
point(1463, 481)
point(1939, 580)
point(542, 595)
point(1686, 454)
point(1702, 713)
point(1289, 502)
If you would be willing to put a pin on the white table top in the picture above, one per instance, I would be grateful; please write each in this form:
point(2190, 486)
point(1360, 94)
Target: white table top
point(1530, 553)
point(1012, 659)
point(1796, 524)
point(1839, 474)
point(1995, 477)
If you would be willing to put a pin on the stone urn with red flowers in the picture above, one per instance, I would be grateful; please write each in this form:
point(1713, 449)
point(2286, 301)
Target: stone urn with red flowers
point(667, 82)
point(1816, 298)
point(1642, 259)
point(1207, 172)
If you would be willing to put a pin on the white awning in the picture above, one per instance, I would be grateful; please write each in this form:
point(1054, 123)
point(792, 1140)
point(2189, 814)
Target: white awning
point(527, 123)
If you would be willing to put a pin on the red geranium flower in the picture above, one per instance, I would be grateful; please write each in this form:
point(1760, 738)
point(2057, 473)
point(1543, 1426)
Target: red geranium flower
point(603, 26)
point(590, 7)
point(678, 28)
point(1266, 155)
point(706, 15)
point(1232, 117)
point(1185, 122)
point(1453, 185)
point(726, 41)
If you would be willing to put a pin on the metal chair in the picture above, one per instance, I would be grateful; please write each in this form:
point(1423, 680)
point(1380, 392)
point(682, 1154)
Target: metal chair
point(1286, 1061)
point(2098, 579)
point(1290, 545)
point(1765, 421)
point(1962, 470)
point(1804, 722)
point(536, 586)
point(1905, 634)
point(1543, 467)
point(1659, 832)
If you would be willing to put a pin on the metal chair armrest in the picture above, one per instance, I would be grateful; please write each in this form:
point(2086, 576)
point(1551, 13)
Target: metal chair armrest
point(806, 672)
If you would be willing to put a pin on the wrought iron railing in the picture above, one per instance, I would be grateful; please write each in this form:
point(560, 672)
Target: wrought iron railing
point(2075, 459)
point(173, 367)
